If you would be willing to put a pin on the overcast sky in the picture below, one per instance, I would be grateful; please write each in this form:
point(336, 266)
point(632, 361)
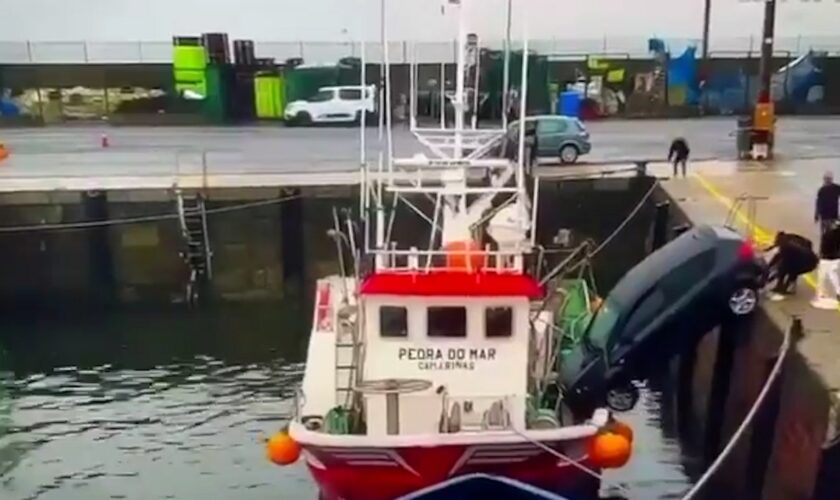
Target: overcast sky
point(343, 20)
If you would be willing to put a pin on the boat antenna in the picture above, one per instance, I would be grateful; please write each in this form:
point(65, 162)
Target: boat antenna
point(523, 98)
point(506, 75)
point(387, 64)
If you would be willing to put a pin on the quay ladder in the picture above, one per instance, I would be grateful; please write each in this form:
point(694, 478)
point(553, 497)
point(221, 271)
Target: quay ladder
point(192, 216)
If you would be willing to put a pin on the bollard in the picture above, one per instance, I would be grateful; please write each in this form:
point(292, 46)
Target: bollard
point(104, 141)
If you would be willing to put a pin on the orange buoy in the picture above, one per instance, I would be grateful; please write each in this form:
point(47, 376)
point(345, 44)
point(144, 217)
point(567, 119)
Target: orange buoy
point(610, 450)
point(282, 449)
point(464, 256)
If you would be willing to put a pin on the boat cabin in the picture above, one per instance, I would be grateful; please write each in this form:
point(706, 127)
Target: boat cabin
point(461, 337)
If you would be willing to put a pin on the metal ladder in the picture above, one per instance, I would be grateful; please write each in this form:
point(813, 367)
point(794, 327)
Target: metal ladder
point(347, 354)
point(192, 216)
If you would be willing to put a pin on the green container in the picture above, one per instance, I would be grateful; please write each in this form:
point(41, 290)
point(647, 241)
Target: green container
point(214, 101)
point(189, 65)
point(539, 98)
point(269, 95)
point(303, 83)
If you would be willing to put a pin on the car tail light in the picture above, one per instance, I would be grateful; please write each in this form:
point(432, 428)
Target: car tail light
point(746, 251)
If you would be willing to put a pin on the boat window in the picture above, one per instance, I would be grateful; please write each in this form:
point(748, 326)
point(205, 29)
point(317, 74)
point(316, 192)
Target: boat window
point(498, 322)
point(393, 321)
point(447, 321)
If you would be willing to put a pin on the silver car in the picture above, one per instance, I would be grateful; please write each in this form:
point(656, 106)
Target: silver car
point(561, 138)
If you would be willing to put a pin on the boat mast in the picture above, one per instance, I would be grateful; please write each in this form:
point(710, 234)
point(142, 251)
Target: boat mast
point(460, 98)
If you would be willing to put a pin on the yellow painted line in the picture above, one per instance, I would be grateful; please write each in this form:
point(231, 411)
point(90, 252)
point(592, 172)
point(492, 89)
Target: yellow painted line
point(762, 235)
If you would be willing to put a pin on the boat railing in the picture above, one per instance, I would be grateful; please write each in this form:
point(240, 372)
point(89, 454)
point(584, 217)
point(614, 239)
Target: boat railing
point(415, 260)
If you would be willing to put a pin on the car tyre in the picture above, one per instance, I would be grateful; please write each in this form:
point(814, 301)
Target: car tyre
point(303, 119)
point(743, 300)
point(569, 154)
point(622, 397)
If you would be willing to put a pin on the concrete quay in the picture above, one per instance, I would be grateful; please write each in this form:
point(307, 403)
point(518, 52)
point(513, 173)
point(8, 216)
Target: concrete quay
point(792, 450)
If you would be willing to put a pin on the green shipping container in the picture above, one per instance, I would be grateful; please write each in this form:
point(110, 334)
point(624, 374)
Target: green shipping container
point(269, 95)
point(492, 69)
point(214, 102)
point(304, 82)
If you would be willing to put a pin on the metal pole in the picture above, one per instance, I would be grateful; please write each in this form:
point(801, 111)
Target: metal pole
point(766, 66)
point(363, 120)
point(475, 91)
point(506, 70)
point(442, 96)
point(706, 20)
point(412, 77)
point(520, 174)
point(387, 87)
point(458, 102)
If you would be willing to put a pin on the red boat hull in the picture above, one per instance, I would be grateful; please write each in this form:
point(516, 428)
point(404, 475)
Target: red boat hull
point(385, 474)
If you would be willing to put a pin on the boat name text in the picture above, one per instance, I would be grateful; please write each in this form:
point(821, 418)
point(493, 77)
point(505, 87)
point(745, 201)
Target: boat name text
point(430, 358)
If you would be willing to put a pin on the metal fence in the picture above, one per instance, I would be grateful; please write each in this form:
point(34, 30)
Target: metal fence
point(46, 52)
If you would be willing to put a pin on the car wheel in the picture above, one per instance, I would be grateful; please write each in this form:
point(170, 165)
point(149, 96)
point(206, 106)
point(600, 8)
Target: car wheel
point(303, 118)
point(622, 397)
point(743, 301)
point(568, 154)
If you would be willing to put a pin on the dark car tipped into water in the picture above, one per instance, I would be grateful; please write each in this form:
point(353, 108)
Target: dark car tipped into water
point(658, 309)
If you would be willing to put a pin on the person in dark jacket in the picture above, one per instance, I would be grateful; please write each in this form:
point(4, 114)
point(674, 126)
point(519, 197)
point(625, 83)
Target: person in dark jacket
point(828, 273)
point(828, 199)
point(678, 154)
point(794, 258)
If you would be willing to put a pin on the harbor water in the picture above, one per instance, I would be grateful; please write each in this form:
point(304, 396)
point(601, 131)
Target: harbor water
point(176, 405)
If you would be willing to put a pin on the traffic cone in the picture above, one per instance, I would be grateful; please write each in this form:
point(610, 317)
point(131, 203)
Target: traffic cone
point(4, 153)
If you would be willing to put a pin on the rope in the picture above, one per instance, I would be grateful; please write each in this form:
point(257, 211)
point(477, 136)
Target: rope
point(566, 458)
point(76, 226)
point(774, 374)
point(607, 241)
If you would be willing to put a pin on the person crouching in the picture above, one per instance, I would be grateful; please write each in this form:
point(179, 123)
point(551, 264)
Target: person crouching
point(794, 258)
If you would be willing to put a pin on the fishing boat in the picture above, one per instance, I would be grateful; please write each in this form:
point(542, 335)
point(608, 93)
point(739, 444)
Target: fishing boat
point(428, 364)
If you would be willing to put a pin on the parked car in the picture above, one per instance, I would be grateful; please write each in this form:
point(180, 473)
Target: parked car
point(333, 105)
point(660, 308)
point(558, 137)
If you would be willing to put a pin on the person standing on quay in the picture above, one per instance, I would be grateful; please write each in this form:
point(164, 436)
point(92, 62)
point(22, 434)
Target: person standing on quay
point(828, 199)
point(828, 272)
point(678, 154)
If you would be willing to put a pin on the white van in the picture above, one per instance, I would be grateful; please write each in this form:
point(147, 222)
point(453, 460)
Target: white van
point(333, 105)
